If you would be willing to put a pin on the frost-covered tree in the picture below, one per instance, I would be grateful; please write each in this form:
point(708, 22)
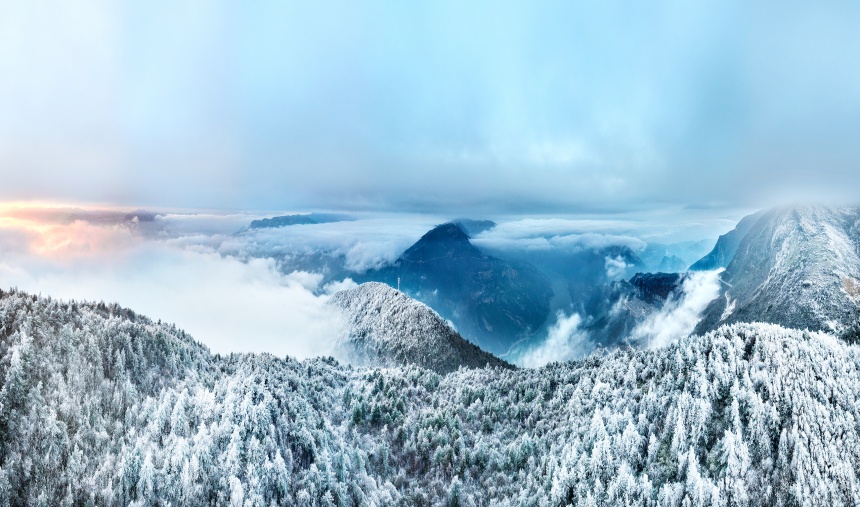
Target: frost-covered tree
point(102, 406)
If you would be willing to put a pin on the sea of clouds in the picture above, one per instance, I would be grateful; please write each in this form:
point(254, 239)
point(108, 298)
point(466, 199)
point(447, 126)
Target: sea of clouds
point(232, 288)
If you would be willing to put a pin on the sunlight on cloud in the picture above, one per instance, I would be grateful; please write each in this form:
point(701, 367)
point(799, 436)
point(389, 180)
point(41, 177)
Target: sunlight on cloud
point(228, 304)
point(65, 241)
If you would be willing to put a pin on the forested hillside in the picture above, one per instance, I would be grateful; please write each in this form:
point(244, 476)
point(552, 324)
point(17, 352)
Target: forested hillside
point(101, 406)
point(385, 327)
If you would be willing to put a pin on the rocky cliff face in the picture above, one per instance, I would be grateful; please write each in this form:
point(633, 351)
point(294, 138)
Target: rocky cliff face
point(655, 287)
point(622, 305)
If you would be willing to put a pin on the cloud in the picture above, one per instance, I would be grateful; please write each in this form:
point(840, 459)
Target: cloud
point(633, 230)
point(310, 281)
point(231, 305)
point(67, 242)
point(364, 244)
point(616, 267)
point(554, 234)
point(337, 286)
point(13, 239)
point(550, 227)
point(570, 242)
point(566, 340)
point(679, 317)
point(402, 107)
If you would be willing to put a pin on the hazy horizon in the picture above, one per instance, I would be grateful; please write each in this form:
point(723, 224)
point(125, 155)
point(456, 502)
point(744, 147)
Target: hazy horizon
point(235, 289)
point(447, 108)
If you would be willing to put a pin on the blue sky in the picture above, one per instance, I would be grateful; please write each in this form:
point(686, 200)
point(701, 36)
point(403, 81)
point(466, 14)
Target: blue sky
point(444, 107)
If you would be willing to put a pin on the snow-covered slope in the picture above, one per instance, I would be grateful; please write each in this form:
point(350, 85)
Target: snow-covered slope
point(798, 267)
point(388, 328)
point(99, 406)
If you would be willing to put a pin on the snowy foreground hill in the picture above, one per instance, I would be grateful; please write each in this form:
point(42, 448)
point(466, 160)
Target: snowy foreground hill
point(100, 406)
point(388, 328)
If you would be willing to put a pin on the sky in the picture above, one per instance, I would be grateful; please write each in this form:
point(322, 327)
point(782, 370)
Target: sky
point(439, 107)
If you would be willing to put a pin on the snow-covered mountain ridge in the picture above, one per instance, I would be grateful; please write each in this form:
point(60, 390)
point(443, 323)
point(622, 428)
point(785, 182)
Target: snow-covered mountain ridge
point(101, 406)
point(388, 328)
point(798, 267)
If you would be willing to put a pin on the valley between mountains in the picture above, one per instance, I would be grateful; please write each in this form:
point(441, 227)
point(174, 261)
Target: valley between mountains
point(756, 402)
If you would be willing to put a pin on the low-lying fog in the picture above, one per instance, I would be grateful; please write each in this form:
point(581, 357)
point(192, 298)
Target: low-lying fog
point(265, 290)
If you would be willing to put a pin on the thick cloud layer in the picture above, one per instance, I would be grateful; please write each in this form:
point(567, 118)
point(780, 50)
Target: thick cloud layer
point(228, 304)
point(364, 244)
point(632, 230)
point(233, 287)
point(566, 340)
point(449, 107)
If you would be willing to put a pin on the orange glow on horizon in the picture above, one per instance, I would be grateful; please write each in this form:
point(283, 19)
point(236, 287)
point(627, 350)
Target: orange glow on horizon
point(52, 238)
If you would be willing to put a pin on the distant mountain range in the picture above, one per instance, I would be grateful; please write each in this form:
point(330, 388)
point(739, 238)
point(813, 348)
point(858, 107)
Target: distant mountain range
point(795, 266)
point(300, 219)
point(671, 264)
point(688, 252)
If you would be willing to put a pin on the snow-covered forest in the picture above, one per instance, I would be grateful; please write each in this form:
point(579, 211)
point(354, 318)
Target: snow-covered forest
point(100, 406)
